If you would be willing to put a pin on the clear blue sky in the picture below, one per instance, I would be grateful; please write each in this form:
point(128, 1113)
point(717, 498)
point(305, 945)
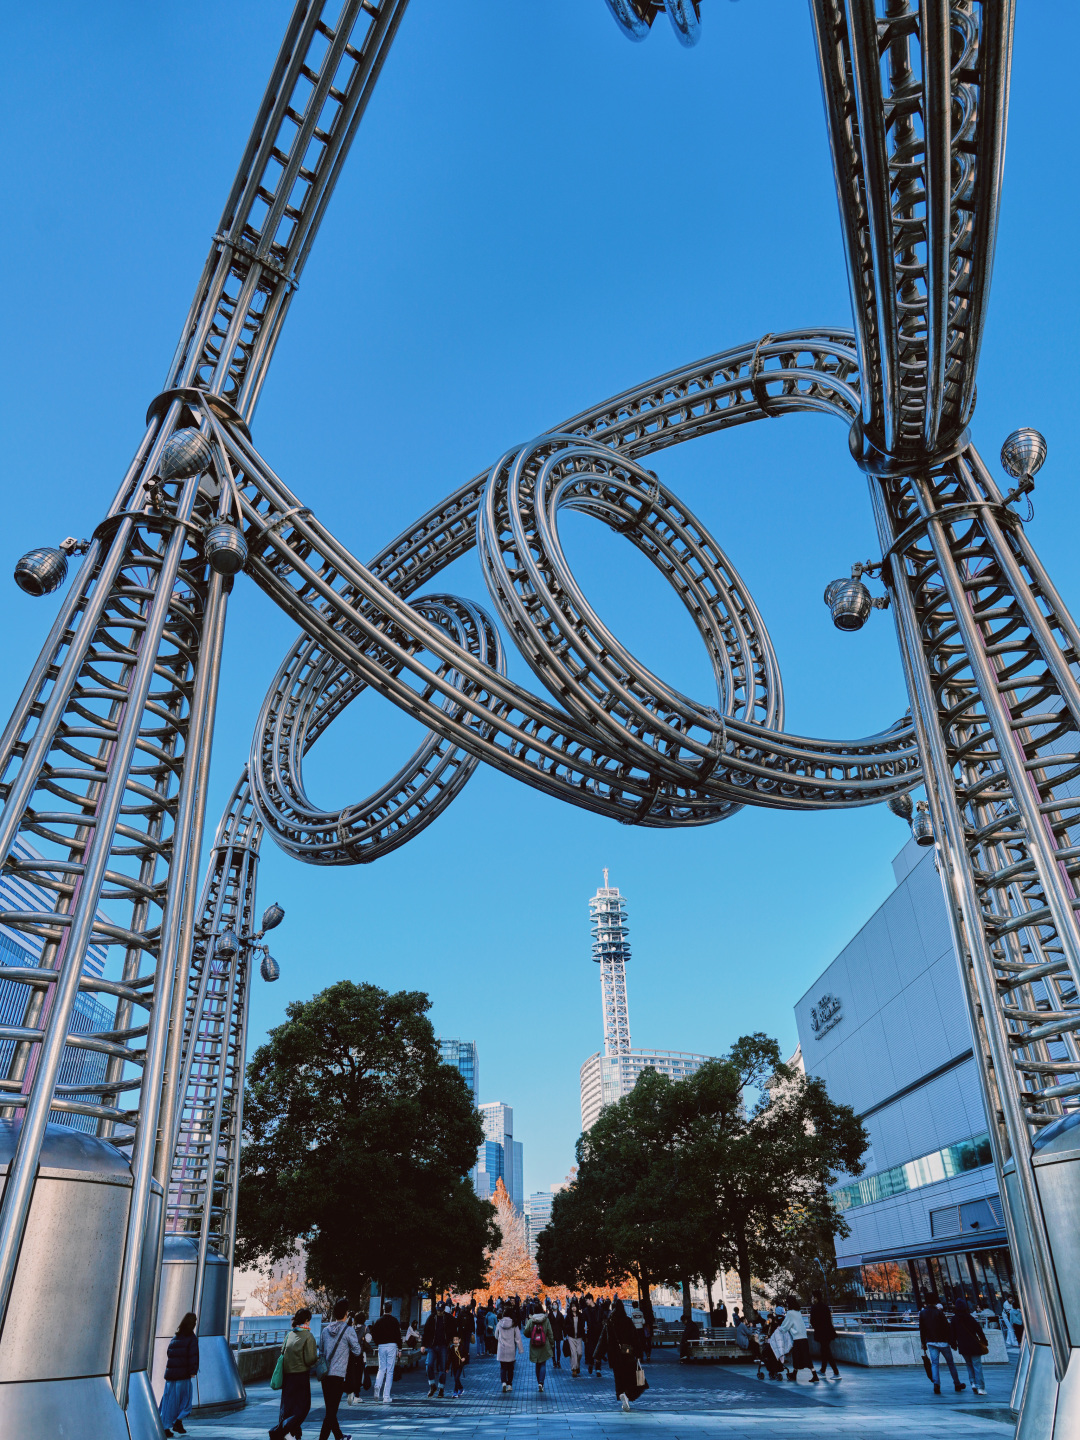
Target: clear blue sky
point(535, 215)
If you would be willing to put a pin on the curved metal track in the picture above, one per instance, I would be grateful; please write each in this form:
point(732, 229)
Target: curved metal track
point(621, 741)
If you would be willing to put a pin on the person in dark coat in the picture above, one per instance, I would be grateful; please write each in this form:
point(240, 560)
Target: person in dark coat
point(594, 1325)
point(936, 1336)
point(821, 1322)
point(556, 1318)
point(181, 1364)
point(617, 1342)
point(969, 1338)
point(439, 1330)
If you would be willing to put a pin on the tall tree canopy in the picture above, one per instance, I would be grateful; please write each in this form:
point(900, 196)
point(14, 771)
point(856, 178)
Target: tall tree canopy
point(731, 1166)
point(358, 1141)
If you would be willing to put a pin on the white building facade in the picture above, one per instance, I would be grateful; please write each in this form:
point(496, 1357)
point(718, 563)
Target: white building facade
point(885, 1025)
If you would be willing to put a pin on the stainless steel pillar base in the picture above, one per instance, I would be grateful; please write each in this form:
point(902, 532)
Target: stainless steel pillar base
point(1049, 1411)
point(57, 1346)
point(82, 1409)
point(218, 1385)
point(143, 1418)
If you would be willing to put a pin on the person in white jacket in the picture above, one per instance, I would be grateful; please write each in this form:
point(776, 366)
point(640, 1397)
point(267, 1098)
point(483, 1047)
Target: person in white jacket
point(508, 1342)
point(795, 1326)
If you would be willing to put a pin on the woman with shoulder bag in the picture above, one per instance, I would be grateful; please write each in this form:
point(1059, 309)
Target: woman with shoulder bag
point(618, 1339)
point(298, 1356)
point(969, 1338)
point(337, 1343)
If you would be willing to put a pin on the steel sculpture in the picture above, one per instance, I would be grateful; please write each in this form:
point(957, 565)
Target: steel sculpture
point(105, 759)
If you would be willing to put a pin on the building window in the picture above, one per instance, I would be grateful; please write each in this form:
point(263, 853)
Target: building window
point(929, 1169)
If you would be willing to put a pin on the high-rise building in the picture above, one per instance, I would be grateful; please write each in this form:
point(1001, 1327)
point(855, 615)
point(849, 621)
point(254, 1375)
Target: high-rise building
point(609, 1075)
point(18, 947)
point(500, 1154)
point(538, 1210)
point(461, 1054)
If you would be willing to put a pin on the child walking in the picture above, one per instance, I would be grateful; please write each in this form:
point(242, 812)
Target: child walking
point(457, 1365)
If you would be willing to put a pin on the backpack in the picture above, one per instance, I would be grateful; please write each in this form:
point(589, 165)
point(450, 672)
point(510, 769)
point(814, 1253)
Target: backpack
point(536, 1335)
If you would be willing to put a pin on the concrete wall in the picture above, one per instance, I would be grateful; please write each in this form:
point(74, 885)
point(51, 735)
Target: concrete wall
point(897, 1347)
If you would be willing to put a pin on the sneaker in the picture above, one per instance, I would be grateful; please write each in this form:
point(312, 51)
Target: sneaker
point(178, 1429)
point(387, 1401)
point(814, 1379)
point(624, 1402)
point(431, 1391)
point(541, 1389)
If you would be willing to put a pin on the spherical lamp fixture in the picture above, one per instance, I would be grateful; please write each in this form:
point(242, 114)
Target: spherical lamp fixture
point(185, 454)
point(225, 548)
point(902, 805)
point(270, 970)
point(850, 603)
point(922, 827)
point(227, 945)
point(1023, 453)
point(272, 917)
point(41, 571)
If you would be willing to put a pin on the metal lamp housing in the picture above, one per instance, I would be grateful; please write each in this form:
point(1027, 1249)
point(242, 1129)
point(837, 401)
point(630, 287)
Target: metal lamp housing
point(850, 603)
point(227, 945)
point(1023, 453)
point(185, 454)
point(41, 571)
point(270, 970)
point(225, 548)
point(902, 805)
point(922, 827)
point(272, 917)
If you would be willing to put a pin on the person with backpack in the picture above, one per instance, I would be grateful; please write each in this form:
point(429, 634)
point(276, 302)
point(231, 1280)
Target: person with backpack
point(336, 1343)
point(298, 1356)
point(181, 1365)
point(541, 1341)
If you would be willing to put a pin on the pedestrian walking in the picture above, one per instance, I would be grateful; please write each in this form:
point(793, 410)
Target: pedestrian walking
point(541, 1341)
point(386, 1337)
point(438, 1332)
point(969, 1338)
point(574, 1333)
point(336, 1343)
point(181, 1365)
point(794, 1325)
point(617, 1342)
point(1013, 1317)
point(490, 1343)
point(555, 1316)
point(593, 1326)
point(299, 1354)
point(459, 1354)
point(508, 1344)
point(821, 1322)
point(637, 1319)
point(935, 1334)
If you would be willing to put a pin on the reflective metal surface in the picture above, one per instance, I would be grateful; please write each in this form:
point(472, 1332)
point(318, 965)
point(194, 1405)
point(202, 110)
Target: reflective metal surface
point(41, 571)
point(1023, 453)
point(82, 1409)
point(218, 1382)
point(225, 548)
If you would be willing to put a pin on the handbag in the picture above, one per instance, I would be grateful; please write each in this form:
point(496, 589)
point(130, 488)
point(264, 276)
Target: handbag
point(566, 1348)
point(639, 1376)
point(277, 1379)
point(322, 1367)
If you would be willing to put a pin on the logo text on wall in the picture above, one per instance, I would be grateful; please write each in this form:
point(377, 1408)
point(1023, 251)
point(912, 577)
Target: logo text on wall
point(826, 1015)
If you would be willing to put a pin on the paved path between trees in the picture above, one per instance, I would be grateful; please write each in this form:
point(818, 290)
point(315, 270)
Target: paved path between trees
point(693, 1401)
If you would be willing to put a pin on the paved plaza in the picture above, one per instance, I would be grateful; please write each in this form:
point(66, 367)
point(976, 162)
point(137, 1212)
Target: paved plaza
point(726, 1401)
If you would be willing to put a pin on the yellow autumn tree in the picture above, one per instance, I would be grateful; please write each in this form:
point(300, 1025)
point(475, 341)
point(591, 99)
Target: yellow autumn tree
point(510, 1267)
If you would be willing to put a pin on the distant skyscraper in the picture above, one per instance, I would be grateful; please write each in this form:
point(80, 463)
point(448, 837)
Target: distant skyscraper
point(608, 1076)
point(538, 1210)
point(498, 1121)
point(461, 1054)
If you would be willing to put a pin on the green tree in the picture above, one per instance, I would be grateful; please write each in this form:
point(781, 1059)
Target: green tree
point(358, 1141)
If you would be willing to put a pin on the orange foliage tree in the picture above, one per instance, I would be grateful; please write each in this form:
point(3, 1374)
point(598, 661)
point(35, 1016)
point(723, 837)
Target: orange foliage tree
point(510, 1268)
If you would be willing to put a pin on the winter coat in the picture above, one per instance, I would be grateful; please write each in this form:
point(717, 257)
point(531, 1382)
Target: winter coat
point(538, 1353)
point(508, 1338)
point(794, 1325)
point(300, 1351)
point(967, 1335)
point(182, 1361)
point(933, 1327)
point(336, 1348)
point(575, 1326)
point(821, 1321)
point(386, 1331)
point(439, 1329)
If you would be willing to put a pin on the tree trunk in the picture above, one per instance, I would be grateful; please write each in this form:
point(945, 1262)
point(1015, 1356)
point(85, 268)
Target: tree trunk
point(743, 1252)
point(686, 1302)
point(644, 1299)
point(708, 1292)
